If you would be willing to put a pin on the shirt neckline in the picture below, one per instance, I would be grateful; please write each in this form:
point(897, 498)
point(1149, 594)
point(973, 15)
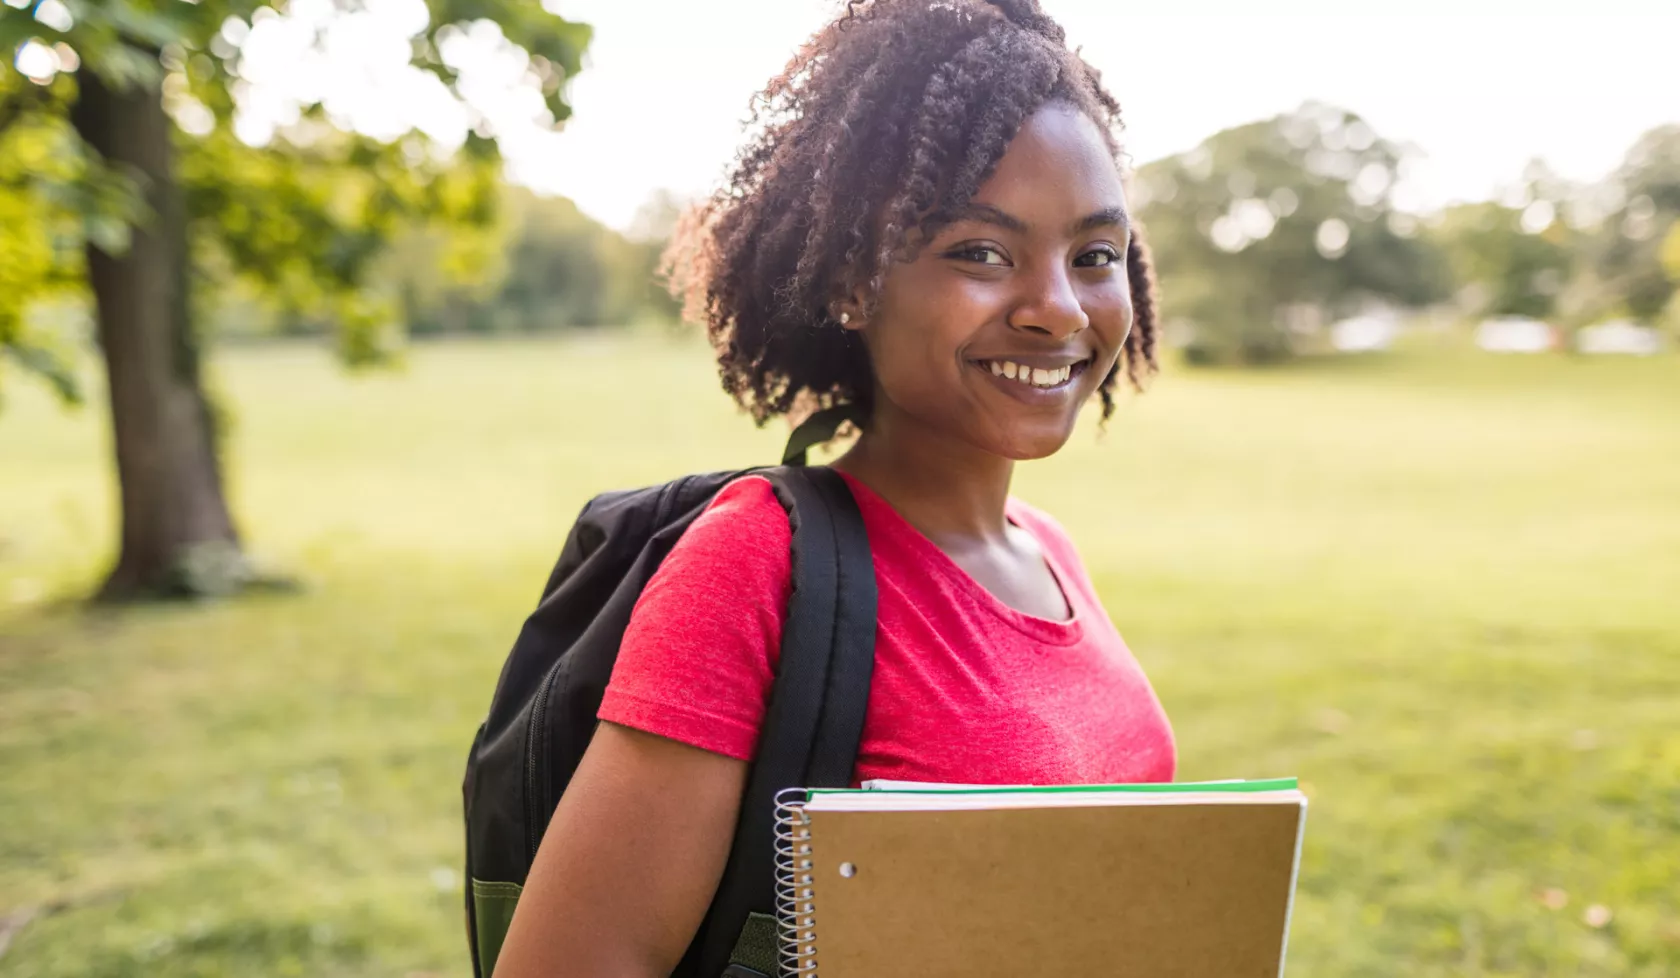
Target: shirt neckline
point(1050, 631)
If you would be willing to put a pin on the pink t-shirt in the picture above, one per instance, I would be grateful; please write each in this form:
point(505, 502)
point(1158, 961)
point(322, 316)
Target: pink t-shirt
point(965, 689)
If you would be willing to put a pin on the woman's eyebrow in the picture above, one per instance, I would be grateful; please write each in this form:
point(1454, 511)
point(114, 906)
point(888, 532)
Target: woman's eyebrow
point(1107, 217)
point(987, 214)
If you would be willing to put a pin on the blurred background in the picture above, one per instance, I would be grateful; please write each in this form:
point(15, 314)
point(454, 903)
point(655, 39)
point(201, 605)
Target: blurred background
point(339, 311)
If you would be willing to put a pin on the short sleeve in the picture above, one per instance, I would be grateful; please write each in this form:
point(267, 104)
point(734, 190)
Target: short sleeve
point(698, 658)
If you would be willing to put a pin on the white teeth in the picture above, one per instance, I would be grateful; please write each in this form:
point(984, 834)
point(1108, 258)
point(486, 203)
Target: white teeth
point(1037, 377)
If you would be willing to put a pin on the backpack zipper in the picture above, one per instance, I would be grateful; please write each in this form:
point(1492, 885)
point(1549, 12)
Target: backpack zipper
point(535, 787)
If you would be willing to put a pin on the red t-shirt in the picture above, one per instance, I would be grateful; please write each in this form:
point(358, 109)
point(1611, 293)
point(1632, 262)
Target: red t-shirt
point(965, 689)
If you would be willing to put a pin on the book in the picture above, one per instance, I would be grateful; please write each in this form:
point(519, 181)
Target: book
point(1184, 880)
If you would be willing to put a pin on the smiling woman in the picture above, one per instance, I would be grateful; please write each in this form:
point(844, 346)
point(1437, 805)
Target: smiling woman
point(929, 230)
point(876, 138)
point(1018, 291)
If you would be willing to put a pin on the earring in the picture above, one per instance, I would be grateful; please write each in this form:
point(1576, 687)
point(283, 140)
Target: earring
point(845, 318)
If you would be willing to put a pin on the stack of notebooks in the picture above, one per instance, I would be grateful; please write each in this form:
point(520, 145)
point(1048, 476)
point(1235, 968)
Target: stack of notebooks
point(1147, 880)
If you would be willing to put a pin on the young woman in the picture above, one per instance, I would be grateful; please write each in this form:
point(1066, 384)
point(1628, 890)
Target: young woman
point(930, 225)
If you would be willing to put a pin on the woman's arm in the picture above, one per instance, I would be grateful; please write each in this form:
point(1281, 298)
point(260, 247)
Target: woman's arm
point(629, 863)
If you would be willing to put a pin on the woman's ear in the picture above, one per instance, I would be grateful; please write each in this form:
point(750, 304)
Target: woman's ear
point(848, 312)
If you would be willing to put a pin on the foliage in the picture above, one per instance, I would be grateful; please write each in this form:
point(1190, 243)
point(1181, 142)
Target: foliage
point(1408, 598)
point(1266, 231)
point(1512, 271)
point(1627, 257)
point(1575, 254)
point(302, 216)
point(1670, 254)
point(306, 225)
point(1671, 266)
point(53, 196)
point(553, 267)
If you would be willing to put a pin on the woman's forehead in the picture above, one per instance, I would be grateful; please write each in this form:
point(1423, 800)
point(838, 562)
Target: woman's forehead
point(1059, 163)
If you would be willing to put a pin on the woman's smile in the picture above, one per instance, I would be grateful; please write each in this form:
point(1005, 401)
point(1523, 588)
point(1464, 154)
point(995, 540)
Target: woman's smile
point(1035, 378)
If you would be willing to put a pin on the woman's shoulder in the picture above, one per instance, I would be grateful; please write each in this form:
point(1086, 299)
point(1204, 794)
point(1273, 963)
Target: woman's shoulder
point(748, 495)
point(743, 530)
point(746, 511)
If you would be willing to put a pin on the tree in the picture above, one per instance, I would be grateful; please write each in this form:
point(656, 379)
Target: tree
point(135, 103)
point(1267, 231)
point(1671, 265)
point(551, 266)
point(1626, 255)
point(1512, 258)
point(558, 271)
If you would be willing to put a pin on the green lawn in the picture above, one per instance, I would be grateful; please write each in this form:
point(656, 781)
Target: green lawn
point(1444, 591)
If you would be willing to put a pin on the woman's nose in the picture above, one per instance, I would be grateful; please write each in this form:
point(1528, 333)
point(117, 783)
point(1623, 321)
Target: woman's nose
point(1050, 305)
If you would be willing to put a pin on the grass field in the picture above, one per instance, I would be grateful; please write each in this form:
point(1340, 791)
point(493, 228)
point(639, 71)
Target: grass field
point(1443, 591)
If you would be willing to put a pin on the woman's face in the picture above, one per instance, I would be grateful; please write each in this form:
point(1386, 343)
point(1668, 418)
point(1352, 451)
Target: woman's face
point(1009, 318)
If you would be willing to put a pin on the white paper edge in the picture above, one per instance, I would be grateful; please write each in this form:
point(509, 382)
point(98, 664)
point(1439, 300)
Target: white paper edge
point(1294, 880)
point(887, 784)
point(888, 801)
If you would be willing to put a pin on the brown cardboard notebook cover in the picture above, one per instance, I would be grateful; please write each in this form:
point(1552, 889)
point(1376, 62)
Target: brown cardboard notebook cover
point(1151, 891)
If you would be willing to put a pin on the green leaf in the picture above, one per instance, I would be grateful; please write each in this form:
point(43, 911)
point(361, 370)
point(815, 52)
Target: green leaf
point(52, 367)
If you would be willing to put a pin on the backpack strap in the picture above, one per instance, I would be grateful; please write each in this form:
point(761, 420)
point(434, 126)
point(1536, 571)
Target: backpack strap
point(818, 429)
point(848, 631)
point(815, 716)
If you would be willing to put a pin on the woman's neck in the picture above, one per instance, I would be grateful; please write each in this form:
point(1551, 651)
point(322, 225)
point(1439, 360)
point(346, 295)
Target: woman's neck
point(949, 490)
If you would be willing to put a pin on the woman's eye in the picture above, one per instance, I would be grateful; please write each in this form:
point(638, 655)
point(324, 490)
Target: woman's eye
point(979, 254)
point(1097, 258)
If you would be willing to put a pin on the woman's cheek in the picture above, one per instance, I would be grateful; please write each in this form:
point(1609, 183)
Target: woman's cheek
point(1110, 311)
point(925, 336)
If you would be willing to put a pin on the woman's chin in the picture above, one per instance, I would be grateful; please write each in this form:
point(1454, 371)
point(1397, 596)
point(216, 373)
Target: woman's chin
point(1029, 443)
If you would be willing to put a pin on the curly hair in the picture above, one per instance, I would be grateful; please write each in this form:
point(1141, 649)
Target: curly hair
point(887, 121)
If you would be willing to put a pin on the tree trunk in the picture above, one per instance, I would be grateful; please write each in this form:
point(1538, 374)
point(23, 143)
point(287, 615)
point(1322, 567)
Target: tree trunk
point(177, 535)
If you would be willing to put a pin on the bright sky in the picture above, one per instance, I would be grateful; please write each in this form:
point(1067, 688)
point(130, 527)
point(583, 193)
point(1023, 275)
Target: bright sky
point(1479, 86)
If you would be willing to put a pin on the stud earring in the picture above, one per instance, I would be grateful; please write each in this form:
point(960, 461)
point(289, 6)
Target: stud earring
point(845, 318)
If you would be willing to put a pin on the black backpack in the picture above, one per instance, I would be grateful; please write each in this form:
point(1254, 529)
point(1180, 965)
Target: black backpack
point(542, 715)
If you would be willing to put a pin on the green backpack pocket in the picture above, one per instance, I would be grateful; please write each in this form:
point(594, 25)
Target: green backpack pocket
point(493, 905)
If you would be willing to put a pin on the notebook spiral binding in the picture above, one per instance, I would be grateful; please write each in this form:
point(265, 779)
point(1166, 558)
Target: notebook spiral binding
point(795, 908)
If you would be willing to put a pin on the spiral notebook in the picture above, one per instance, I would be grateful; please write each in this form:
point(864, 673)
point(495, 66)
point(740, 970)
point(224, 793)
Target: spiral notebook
point(1190, 880)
